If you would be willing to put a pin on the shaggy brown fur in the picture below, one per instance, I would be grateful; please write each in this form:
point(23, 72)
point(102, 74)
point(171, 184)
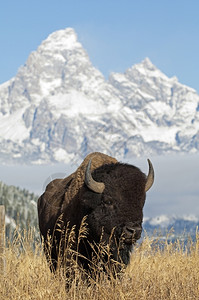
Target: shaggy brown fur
point(119, 206)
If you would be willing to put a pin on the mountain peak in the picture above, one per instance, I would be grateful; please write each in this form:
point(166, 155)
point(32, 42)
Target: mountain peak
point(146, 69)
point(61, 39)
point(148, 64)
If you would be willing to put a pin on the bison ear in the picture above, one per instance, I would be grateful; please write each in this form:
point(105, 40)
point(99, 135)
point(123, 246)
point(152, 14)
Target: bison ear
point(150, 177)
point(97, 187)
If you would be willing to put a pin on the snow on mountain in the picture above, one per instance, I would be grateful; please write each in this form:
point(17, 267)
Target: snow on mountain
point(167, 110)
point(59, 108)
point(172, 226)
point(162, 221)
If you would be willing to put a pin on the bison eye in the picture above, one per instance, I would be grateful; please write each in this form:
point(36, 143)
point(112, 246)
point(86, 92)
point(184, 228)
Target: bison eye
point(108, 201)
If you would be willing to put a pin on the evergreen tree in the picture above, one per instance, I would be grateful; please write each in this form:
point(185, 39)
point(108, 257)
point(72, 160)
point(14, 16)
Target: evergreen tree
point(21, 208)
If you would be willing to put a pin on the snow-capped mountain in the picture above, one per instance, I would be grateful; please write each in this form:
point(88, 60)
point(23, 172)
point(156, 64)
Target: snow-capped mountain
point(59, 108)
point(172, 226)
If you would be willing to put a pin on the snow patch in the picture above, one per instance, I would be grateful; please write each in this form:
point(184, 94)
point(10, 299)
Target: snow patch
point(10, 221)
point(191, 218)
point(12, 127)
point(73, 104)
point(161, 220)
point(61, 155)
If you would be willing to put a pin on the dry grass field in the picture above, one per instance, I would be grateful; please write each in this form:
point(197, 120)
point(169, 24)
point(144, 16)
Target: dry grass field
point(167, 272)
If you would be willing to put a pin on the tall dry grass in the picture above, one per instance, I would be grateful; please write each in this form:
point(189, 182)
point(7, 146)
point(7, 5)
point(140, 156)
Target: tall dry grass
point(157, 270)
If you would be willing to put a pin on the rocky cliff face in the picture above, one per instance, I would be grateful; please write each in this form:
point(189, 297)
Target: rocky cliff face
point(59, 108)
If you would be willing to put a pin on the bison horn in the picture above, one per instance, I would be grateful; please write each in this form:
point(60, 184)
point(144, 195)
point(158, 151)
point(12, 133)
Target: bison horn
point(97, 187)
point(150, 177)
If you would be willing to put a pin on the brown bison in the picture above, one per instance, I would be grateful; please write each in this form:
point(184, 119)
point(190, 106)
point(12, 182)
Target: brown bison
point(109, 193)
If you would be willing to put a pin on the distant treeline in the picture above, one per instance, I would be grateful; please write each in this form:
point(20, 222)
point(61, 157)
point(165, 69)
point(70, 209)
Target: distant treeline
point(20, 206)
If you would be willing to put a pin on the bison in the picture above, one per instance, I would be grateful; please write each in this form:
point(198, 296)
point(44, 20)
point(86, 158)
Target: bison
point(111, 194)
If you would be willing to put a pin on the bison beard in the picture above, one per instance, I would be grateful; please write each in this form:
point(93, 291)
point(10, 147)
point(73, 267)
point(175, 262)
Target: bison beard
point(109, 196)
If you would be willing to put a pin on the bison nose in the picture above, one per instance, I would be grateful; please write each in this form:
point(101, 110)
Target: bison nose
point(132, 233)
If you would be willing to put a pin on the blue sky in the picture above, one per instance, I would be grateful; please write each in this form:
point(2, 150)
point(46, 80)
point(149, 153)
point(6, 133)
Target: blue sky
point(116, 34)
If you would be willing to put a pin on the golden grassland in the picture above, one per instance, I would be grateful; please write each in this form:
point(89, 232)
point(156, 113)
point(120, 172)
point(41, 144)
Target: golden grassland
point(166, 271)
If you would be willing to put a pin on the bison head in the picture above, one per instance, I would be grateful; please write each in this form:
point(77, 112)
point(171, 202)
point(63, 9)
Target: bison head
point(114, 200)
